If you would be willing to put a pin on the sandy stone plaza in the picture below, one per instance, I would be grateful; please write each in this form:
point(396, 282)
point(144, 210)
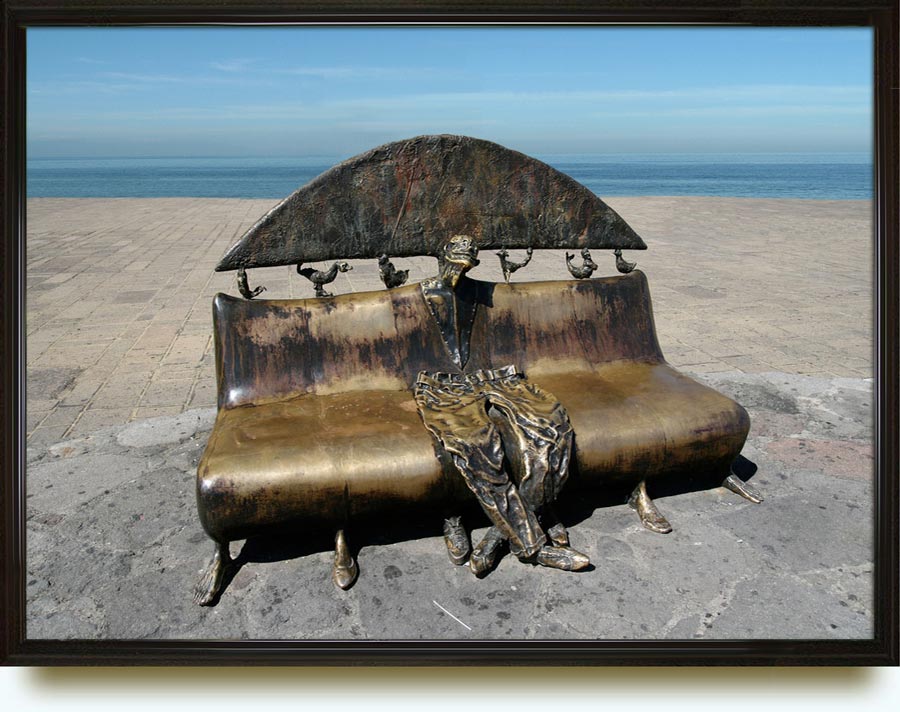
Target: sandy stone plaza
point(768, 301)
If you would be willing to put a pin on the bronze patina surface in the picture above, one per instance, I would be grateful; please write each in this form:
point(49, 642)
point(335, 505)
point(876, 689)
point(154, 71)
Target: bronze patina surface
point(517, 476)
point(317, 423)
point(340, 410)
point(406, 198)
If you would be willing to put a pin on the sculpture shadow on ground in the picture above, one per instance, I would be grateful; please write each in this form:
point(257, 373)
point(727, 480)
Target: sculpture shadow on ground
point(289, 543)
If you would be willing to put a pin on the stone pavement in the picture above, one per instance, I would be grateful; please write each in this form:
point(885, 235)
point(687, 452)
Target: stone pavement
point(118, 295)
point(769, 301)
point(115, 547)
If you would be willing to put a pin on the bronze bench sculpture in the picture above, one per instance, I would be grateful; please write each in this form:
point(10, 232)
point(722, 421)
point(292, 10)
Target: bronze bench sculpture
point(318, 426)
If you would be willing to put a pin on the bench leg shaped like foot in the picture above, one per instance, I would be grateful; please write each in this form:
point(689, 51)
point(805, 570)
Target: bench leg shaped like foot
point(650, 516)
point(457, 540)
point(210, 584)
point(345, 569)
point(738, 486)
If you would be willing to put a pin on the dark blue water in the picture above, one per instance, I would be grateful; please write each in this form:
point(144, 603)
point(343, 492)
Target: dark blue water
point(829, 176)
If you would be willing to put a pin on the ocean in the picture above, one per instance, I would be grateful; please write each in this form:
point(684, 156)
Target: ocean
point(823, 176)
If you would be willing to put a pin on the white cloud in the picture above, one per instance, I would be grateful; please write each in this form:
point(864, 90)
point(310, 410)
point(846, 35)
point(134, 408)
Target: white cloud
point(232, 65)
point(773, 110)
point(367, 72)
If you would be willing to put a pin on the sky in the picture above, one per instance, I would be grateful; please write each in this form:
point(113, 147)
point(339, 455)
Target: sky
point(317, 91)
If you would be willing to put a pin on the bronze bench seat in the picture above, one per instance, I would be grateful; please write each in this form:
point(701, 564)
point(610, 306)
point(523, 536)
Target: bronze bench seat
point(318, 425)
point(316, 454)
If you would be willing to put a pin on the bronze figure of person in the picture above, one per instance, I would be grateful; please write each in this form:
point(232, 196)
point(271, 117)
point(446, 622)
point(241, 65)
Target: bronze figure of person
point(467, 412)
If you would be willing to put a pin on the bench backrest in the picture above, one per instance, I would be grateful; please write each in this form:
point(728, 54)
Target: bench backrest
point(269, 350)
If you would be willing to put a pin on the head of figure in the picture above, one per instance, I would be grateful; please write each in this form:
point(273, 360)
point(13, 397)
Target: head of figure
point(458, 255)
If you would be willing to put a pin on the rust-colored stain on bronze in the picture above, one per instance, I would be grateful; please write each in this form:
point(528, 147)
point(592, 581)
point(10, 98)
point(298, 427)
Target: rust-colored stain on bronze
point(317, 418)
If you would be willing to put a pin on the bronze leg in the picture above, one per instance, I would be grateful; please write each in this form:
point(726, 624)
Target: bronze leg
point(556, 531)
point(738, 486)
point(558, 535)
point(210, 584)
point(650, 516)
point(345, 569)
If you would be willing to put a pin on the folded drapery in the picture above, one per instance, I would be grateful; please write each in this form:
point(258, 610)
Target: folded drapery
point(456, 410)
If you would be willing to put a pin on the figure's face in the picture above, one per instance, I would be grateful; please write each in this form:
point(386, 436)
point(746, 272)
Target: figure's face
point(457, 257)
point(461, 250)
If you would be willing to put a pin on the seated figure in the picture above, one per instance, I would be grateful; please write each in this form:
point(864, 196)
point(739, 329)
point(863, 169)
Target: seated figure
point(466, 413)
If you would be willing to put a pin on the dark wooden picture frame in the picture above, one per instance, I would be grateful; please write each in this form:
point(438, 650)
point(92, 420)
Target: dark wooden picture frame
point(884, 649)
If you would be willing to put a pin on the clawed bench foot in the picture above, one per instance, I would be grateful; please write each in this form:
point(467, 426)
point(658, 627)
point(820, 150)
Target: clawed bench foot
point(738, 486)
point(650, 516)
point(210, 584)
point(345, 569)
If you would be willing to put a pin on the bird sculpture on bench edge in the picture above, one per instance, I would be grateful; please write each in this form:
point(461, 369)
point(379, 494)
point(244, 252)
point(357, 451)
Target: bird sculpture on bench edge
point(320, 278)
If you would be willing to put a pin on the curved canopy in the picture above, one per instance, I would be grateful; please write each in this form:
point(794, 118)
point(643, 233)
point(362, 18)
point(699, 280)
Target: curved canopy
point(406, 198)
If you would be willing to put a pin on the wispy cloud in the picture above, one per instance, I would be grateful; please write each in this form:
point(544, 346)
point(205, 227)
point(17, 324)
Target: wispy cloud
point(122, 82)
point(726, 93)
point(367, 72)
point(86, 87)
point(89, 60)
point(233, 65)
point(737, 111)
point(150, 79)
point(381, 111)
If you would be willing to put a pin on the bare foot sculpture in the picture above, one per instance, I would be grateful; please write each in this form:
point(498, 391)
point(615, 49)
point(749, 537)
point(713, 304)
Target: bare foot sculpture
point(738, 486)
point(650, 516)
point(345, 570)
point(209, 586)
point(457, 540)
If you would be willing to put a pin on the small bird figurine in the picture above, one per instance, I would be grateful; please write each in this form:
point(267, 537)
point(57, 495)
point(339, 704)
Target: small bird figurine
point(244, 286)
point(319, 278)
point(509, 267)
point(390, 275)
point(586, 269)
point(621, 265)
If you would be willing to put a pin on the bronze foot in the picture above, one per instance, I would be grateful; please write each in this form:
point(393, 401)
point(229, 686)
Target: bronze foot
point(558, 534)
point(564, 558)
point(345, 569)
point(210, 584)
point(738, 486)
point(457, 540)
point(650, 516)
point(484, 555)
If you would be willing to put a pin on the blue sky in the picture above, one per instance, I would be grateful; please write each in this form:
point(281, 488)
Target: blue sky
point(292, 91)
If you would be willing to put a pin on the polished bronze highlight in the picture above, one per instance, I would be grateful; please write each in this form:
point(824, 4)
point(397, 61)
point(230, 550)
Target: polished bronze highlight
point(423, 399)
